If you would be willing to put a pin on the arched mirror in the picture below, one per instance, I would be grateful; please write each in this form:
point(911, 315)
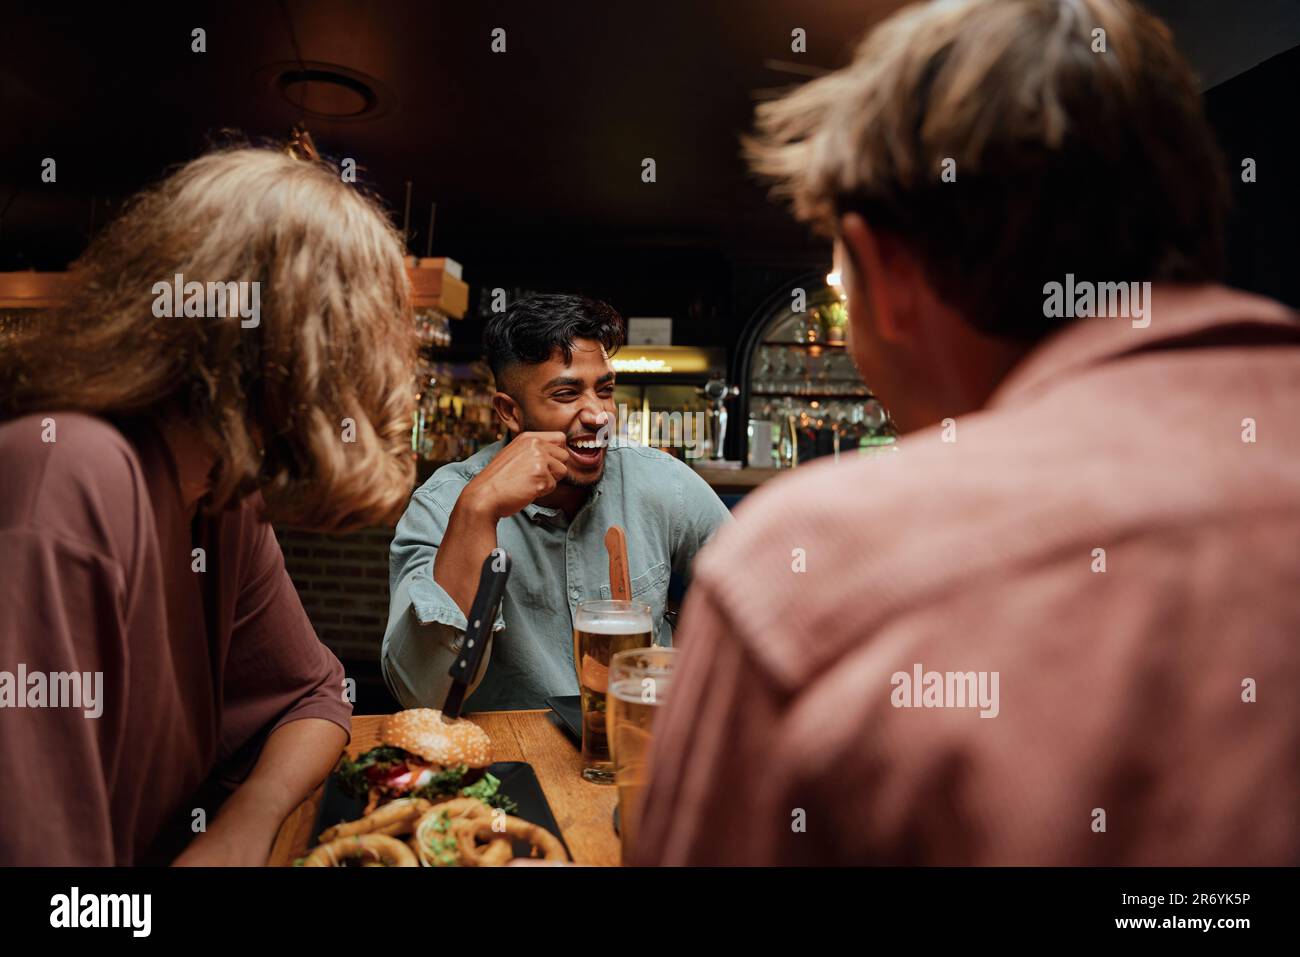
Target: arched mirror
point(805, 398)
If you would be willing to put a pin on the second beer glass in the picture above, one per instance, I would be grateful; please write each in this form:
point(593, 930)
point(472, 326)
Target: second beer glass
point(601, 629)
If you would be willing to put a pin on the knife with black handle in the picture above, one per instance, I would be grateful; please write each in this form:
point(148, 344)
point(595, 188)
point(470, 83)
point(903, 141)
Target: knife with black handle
point(491, 588)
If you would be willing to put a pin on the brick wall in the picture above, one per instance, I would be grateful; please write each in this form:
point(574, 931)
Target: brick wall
point(343, 583)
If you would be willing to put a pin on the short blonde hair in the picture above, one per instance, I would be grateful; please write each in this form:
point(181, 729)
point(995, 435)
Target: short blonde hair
point(1066, 158)
point(335, 340)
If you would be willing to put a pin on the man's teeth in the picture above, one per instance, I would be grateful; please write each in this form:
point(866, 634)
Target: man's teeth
point(587, 444)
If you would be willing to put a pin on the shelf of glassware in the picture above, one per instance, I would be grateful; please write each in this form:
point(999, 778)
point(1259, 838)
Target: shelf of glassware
point(817, 405)
point(802, 429)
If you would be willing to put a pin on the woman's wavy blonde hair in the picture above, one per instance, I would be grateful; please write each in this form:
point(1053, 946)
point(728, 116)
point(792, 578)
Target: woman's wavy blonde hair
point(335, 340)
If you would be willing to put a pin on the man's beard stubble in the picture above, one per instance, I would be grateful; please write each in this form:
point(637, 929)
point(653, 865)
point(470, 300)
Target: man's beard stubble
point(569, 479)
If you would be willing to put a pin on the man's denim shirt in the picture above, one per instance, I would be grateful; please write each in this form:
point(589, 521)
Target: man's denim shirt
point(668, 512)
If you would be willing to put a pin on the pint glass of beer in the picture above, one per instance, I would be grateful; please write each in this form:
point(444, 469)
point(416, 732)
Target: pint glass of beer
point(601, 629)
point(639, 683)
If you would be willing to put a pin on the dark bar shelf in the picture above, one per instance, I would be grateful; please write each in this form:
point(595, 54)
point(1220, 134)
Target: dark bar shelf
point(814, 395)
point(805, 345)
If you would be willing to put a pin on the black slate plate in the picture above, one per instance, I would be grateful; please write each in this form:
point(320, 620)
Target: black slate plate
point(568, 708)
point(518, 782)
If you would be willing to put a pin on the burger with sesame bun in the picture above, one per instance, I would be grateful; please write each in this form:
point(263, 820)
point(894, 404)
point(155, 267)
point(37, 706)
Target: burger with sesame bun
point(421, 755)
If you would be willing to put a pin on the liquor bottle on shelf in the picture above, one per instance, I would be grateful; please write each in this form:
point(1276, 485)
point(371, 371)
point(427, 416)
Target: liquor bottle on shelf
point(454, 417)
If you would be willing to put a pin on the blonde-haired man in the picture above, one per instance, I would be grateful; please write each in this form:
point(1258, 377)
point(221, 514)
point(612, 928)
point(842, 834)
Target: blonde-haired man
point(1058, 627)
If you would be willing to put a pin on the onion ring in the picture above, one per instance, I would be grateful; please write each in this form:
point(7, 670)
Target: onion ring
point(463, 807)
point(397, 817)
point(433, 842)
point(368, 848)
point(496, 854)
point(539, 837)
point(437, 843)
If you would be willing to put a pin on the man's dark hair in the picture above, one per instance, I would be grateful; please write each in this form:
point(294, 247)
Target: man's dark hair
point(531, 329)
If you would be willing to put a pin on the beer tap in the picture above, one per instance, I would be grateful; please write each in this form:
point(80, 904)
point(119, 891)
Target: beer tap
point(718, 392)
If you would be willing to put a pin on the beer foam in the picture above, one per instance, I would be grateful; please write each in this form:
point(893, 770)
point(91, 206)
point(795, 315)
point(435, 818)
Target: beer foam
point(622, 625)
point(631, 691)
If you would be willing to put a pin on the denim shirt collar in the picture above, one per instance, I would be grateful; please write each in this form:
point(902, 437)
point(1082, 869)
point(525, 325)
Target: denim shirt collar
point(544, 515)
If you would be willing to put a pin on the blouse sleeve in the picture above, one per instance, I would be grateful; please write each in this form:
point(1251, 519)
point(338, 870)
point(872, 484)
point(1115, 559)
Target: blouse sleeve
point(277, 670)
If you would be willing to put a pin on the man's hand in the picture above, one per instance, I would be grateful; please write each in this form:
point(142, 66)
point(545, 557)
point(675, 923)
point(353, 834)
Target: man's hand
point(528, 468)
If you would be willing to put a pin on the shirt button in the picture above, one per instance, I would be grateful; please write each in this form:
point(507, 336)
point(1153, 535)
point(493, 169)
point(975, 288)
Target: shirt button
point(574, 593)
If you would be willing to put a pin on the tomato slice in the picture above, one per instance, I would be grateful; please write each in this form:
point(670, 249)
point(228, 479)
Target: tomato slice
point(385, 775)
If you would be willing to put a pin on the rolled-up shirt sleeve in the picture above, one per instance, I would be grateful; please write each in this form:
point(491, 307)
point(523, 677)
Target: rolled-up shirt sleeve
point(425, 625)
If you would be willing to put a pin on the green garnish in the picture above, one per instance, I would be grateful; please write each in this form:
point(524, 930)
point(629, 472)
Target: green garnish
point(352, 774)
point(445, 850)
point(487, 790)
point(450, 782)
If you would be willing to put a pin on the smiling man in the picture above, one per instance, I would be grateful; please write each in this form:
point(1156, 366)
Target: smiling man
point(547, 495)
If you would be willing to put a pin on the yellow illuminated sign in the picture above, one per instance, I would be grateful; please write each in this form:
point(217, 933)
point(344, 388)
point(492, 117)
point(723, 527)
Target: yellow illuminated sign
point(640, 364)
point(665, 359)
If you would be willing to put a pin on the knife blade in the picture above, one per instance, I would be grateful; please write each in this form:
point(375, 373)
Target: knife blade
point(491, 588)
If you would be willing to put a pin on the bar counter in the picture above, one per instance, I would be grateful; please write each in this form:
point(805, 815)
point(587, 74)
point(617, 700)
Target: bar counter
point(737, 481)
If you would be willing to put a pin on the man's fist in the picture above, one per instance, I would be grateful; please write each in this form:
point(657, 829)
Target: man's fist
point(528, 468)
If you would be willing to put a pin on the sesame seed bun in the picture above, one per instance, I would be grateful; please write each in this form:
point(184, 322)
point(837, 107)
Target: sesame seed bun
point(424, 733)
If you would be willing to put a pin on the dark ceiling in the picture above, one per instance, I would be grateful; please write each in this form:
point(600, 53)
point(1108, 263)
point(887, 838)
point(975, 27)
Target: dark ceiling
point(538, 148)
point(541, 143)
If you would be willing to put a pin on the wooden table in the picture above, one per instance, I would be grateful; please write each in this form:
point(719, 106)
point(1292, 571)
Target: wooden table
point(583, 810)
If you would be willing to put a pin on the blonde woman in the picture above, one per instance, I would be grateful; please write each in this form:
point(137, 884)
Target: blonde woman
point(145, 445)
